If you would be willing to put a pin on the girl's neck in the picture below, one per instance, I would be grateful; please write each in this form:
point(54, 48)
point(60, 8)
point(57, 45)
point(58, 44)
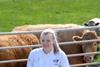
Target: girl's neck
point(47, 50)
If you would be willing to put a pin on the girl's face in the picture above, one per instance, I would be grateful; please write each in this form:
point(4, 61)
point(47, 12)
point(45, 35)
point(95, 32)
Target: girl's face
point(47, 41)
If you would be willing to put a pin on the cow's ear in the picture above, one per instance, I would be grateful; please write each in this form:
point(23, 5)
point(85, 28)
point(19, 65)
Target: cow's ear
point(76, 38)
point(97, 24)
point(85, 24)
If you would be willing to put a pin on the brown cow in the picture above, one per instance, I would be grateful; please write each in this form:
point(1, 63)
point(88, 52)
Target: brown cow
point(16, 40)
point(88, 47)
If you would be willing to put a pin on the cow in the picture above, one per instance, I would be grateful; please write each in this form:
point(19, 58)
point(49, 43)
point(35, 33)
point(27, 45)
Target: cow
point(16, 53)
point(93, 22)
point(89, 46)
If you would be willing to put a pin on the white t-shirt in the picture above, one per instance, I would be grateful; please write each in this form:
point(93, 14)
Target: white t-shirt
point(37, 58)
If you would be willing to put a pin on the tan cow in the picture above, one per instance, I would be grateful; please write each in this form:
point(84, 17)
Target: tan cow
point(16, 40)
point(89, 46)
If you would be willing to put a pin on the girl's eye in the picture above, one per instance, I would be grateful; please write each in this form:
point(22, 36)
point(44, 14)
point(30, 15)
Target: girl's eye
point(42, 40)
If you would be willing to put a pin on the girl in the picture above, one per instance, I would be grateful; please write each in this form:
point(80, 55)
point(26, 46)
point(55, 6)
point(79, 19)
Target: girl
point(50, 54)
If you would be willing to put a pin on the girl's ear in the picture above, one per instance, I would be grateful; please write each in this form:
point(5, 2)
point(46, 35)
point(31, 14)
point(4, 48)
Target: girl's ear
point(76, 38)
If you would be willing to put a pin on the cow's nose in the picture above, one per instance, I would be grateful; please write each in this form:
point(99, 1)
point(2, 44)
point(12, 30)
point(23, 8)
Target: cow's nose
point(88, 59)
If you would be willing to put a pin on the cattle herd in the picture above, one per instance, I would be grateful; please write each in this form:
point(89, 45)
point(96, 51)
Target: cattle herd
point(63, 36)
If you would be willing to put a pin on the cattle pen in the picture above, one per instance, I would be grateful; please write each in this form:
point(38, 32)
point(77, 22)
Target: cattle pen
point(61, 43)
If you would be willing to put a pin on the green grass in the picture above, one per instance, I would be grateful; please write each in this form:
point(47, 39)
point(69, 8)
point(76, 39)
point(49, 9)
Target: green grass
point(19, 12)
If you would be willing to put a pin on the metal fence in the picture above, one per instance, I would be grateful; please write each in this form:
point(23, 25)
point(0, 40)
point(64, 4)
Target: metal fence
point(61, 43)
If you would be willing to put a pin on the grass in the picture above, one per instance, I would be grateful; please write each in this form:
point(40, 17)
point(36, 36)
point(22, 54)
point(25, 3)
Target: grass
point(19, 12)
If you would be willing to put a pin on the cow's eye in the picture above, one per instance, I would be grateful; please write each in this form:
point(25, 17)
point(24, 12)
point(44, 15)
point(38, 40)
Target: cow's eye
point(95, 44)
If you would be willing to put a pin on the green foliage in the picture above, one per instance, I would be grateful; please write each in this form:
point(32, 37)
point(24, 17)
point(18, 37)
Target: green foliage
point(20, 12)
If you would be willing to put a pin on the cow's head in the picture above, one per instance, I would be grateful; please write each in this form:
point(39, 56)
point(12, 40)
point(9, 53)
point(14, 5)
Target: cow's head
point(89, 46)
point(93, 22)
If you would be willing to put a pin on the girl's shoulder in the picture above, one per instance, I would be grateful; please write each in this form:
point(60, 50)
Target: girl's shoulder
point(36, 51)
point(61, 53)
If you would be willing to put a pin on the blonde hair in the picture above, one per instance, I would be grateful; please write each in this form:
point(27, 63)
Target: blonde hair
point(55, 45)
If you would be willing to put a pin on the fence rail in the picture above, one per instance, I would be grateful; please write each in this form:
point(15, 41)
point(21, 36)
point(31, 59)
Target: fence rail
point(62, 43)
point(36, 31)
